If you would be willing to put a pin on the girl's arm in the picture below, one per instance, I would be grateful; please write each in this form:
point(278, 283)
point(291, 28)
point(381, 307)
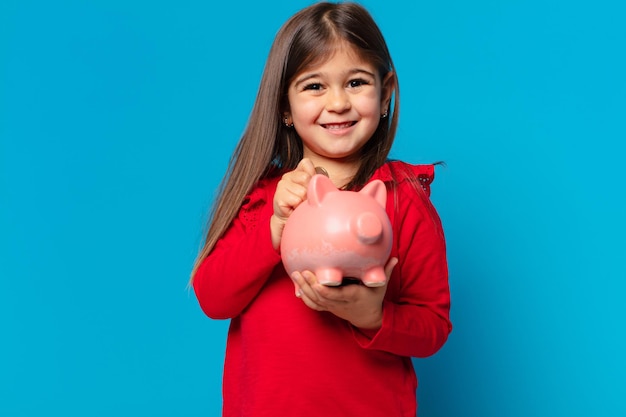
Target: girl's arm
point(240, 263)
point(243, 259)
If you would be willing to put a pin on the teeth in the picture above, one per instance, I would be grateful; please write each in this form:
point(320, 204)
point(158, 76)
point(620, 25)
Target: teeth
point(339, 126)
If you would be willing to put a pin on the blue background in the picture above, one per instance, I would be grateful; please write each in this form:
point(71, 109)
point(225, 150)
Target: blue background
point(117, 119)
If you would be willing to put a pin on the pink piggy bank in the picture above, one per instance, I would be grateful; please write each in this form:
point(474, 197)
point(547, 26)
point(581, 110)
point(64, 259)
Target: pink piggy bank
point(337, 234)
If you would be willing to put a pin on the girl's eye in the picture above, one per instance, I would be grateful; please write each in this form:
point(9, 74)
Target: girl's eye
point(313, 86)
point(358, 82)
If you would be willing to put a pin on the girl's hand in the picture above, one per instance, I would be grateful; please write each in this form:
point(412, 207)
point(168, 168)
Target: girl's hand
point(290, 192)
point(360, 305)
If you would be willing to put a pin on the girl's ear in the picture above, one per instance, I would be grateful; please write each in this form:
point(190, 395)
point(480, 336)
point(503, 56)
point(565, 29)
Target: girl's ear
point(388, 87)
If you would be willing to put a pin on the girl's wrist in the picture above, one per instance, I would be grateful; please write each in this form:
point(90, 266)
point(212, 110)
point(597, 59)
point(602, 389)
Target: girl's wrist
point(368, 332)
point(371, 326)
point(276, 230)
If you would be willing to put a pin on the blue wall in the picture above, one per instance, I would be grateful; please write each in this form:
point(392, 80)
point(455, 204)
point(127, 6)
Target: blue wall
point(117, 119)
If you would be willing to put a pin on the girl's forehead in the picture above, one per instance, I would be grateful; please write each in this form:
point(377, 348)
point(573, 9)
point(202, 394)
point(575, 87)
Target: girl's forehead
point(343, 46)
point(337, 48)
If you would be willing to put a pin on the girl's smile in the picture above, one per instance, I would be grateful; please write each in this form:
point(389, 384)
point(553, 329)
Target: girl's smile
point(338, 128)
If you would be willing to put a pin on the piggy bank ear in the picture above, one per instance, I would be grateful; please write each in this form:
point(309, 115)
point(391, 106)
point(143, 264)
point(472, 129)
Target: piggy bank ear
point(319, 186)
point(377, 190)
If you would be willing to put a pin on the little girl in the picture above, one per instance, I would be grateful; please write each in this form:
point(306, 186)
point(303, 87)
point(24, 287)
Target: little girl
point(325, 100)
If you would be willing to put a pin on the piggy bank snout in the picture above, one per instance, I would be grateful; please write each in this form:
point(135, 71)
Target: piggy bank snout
point(368, 228)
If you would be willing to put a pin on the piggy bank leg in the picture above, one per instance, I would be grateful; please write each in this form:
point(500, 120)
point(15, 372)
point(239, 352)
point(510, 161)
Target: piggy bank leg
point(374, 277)
point(329, 276)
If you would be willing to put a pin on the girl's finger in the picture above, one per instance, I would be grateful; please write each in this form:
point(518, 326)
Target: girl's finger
point(391, 263)
point(307, 166)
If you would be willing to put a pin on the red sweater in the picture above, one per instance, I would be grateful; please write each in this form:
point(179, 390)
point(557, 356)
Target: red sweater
point(284, 359)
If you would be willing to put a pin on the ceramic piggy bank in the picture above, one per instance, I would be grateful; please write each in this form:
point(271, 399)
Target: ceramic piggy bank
point(339, 234)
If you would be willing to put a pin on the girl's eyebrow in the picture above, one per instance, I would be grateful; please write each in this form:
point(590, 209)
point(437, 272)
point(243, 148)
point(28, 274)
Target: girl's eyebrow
point(306, 78)
point(351, 72)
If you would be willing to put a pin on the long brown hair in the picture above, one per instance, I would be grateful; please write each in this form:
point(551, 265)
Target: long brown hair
point(267, 146)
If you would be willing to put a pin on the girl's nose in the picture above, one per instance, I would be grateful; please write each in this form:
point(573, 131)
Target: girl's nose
point(338, 100)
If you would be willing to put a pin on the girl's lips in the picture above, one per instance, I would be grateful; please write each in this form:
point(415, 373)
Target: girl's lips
point(338, 126)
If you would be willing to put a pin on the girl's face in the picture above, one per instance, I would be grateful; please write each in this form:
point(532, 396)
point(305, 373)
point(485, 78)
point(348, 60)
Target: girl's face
point(336, 106)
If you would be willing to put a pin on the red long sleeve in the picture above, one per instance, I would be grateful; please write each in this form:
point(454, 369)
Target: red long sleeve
point(241, 261)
